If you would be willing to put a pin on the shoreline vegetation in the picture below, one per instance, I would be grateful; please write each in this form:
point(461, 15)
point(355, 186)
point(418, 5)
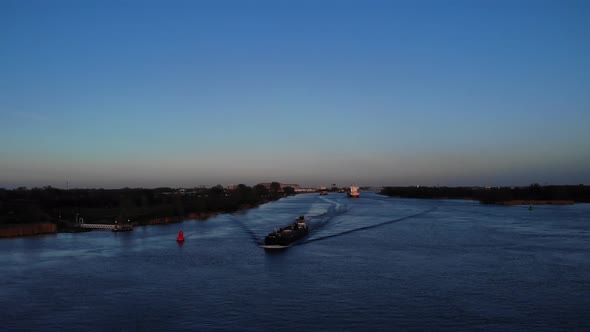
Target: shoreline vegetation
point(534, 194)
point(50, 210)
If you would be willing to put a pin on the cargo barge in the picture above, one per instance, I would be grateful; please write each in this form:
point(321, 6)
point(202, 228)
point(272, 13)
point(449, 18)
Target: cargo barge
point(284, 237)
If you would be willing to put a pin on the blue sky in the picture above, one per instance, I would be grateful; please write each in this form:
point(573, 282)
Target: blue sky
point(185, 93)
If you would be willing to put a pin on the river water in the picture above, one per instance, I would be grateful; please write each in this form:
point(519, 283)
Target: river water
point(369, 264)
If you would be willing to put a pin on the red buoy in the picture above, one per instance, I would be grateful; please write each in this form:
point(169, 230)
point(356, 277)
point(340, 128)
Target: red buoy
point(180, 237)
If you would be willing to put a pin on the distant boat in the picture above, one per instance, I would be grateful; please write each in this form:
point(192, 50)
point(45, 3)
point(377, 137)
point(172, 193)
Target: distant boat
point(323, 192)
point(354, 192)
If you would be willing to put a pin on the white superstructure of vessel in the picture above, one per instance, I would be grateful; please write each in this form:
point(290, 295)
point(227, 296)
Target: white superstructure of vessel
point(354, 192)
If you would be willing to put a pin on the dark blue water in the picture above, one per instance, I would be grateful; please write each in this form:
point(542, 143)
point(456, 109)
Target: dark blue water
point(373, 263)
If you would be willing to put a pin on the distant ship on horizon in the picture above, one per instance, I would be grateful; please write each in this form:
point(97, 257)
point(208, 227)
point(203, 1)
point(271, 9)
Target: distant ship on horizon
point(354, 192)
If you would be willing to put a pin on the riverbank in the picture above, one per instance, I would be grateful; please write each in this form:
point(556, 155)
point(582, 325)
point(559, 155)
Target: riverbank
point(14, 230)
point(530, 195)
point(17, 230)
point(31, 229)
point(51, 210)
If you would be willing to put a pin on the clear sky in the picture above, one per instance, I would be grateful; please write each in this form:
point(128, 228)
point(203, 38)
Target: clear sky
point(185, 93)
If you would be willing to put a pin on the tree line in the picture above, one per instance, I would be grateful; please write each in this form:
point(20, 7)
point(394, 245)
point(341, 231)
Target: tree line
point(138, 205)
point(534, 192)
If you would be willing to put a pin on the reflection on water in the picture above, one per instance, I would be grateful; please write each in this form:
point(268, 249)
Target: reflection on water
point(373, 263)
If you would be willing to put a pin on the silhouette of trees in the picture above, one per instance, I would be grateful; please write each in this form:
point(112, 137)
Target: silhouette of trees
point(535, 191)
point(289, 191)
point(261, 190)
point(275, 187)
point(61, 206)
